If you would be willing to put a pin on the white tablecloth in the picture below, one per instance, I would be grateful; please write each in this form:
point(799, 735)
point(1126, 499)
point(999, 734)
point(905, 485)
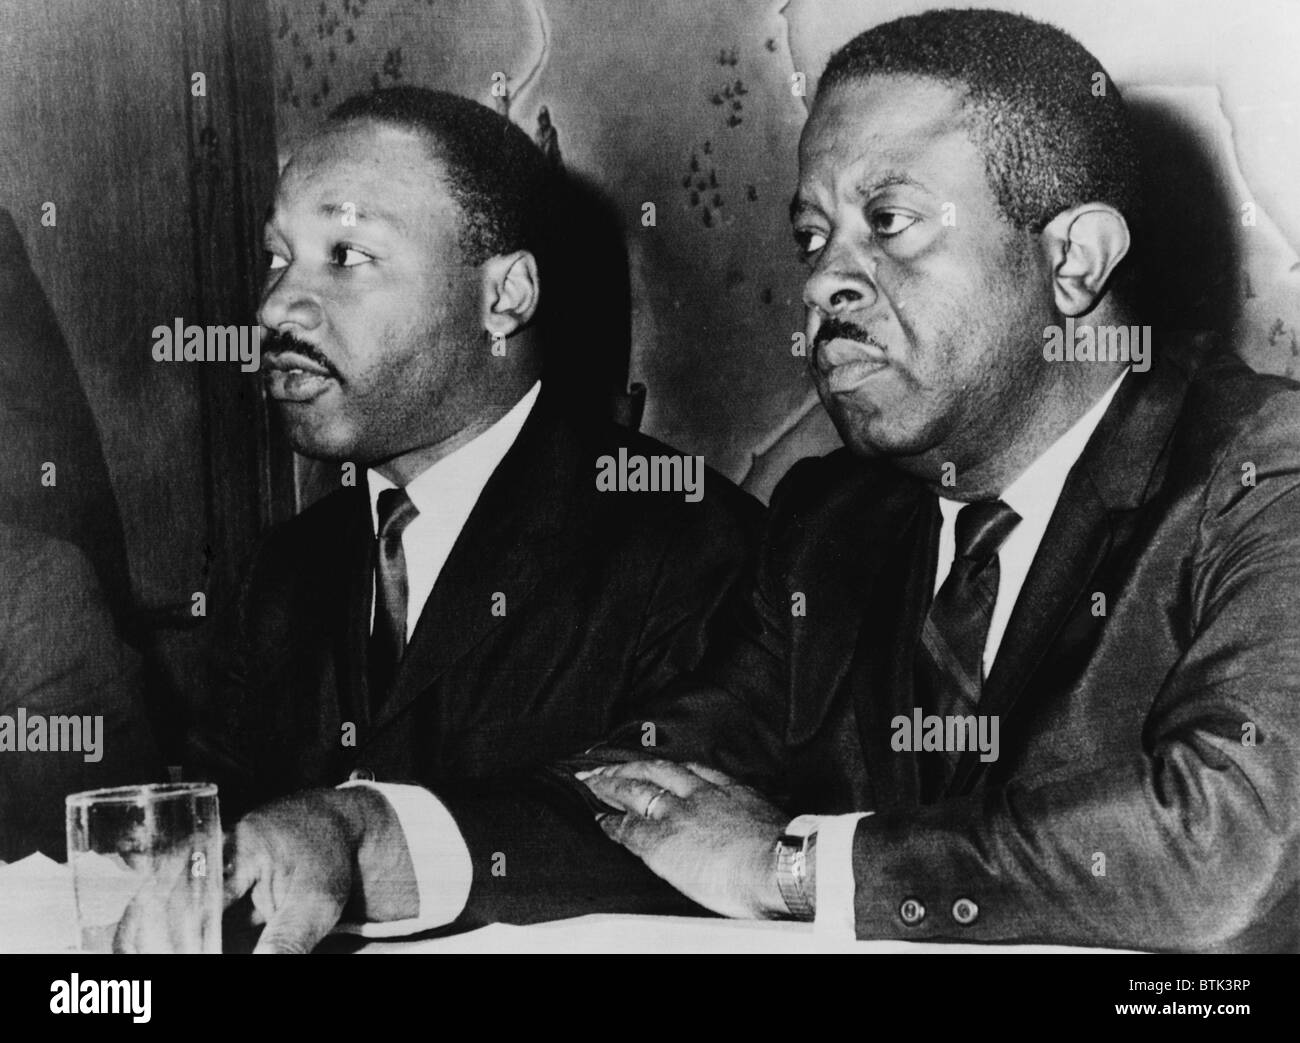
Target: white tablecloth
point(37, 916)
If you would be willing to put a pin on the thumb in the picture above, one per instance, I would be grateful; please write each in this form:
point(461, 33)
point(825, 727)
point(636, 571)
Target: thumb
point(238, 872)
point(305, 914)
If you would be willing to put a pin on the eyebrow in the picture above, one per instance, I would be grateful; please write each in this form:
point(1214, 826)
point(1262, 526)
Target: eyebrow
point(889, 179)
point(374, 213)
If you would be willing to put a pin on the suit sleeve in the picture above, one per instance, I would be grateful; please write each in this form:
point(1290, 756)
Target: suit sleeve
point(1199, 831)
point(730, 712)
point(61, 656)
point(224, 745)
point(536, 850)
point(699, 566)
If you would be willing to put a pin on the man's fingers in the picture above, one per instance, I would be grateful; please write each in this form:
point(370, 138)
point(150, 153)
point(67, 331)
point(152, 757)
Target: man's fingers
point(245, 862)
point(677, 779)
point(624, 794)
point(636, 834)
point(633, 796)
point(612, 826)
point(305, 916)
point(161, 917)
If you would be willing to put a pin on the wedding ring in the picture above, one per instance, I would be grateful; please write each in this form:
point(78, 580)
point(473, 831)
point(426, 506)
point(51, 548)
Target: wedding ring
point(653, 801)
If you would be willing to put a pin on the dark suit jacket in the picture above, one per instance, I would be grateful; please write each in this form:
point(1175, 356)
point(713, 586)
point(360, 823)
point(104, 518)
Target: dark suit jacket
point(608, 597)
point(1162, 736)
point(60, 656)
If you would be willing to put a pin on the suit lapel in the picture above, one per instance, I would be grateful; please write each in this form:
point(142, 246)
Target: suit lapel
point(313, 664)
point(1077, 540)
point(846, 565)
point(884, 667)
point(503, 548)
point(1091, 525)
point(349, 628)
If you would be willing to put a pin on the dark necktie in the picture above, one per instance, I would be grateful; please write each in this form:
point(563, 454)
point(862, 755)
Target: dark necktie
point(388, 637)
point(950, 658)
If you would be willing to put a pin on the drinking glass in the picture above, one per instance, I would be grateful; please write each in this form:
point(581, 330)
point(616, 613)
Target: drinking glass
point(146, 868)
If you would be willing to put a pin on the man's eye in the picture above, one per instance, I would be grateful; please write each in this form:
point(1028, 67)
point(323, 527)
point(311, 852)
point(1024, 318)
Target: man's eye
point(274, 261)
point(349, 257)
point(809, 242)
point(889, 223)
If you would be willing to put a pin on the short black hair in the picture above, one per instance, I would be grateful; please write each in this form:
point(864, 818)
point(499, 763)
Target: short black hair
point(1051, 139)
point(494, 172)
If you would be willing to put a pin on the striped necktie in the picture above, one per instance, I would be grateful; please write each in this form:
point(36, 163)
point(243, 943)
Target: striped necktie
point(950, 657)
point(388, 636)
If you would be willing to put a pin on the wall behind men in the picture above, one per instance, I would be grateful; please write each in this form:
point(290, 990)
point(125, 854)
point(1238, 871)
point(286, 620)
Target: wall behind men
point(689, 106)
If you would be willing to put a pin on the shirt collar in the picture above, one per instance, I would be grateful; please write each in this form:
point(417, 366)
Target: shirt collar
point(1034, 493)
point(467, 467)
point(1039, 485)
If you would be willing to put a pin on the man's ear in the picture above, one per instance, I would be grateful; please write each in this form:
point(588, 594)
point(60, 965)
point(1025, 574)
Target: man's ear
point(511, 291)
point(1083, 247)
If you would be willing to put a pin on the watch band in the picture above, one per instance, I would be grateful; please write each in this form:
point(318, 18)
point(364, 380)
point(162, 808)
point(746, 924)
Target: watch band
point(794, 854)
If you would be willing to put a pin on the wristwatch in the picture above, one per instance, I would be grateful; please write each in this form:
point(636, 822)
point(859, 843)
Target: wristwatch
point(795, 864)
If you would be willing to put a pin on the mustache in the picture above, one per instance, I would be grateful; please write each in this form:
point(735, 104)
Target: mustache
point(842, 329)
point(274, 343)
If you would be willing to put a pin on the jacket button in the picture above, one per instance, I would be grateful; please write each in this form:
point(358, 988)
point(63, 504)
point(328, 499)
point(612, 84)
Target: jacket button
point(912, 911)
point(964, 911)
point(361, 775)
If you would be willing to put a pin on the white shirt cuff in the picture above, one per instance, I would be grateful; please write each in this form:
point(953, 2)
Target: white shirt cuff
point(443, 871)
point(836, 887)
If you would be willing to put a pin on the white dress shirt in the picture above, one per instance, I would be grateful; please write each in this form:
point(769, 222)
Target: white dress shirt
point(445, 494)
point(439, 853)
point(1033, 496)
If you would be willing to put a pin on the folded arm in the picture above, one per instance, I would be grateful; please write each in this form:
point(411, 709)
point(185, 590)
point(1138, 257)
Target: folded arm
point(1184, 844)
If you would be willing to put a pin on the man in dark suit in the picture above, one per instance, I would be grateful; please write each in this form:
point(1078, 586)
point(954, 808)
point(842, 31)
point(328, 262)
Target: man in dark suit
point(472, 602)
point(71, 714)
point(1020, 660)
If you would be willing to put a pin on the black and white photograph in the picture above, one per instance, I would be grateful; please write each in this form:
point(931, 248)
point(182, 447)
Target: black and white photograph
point(673, 477)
